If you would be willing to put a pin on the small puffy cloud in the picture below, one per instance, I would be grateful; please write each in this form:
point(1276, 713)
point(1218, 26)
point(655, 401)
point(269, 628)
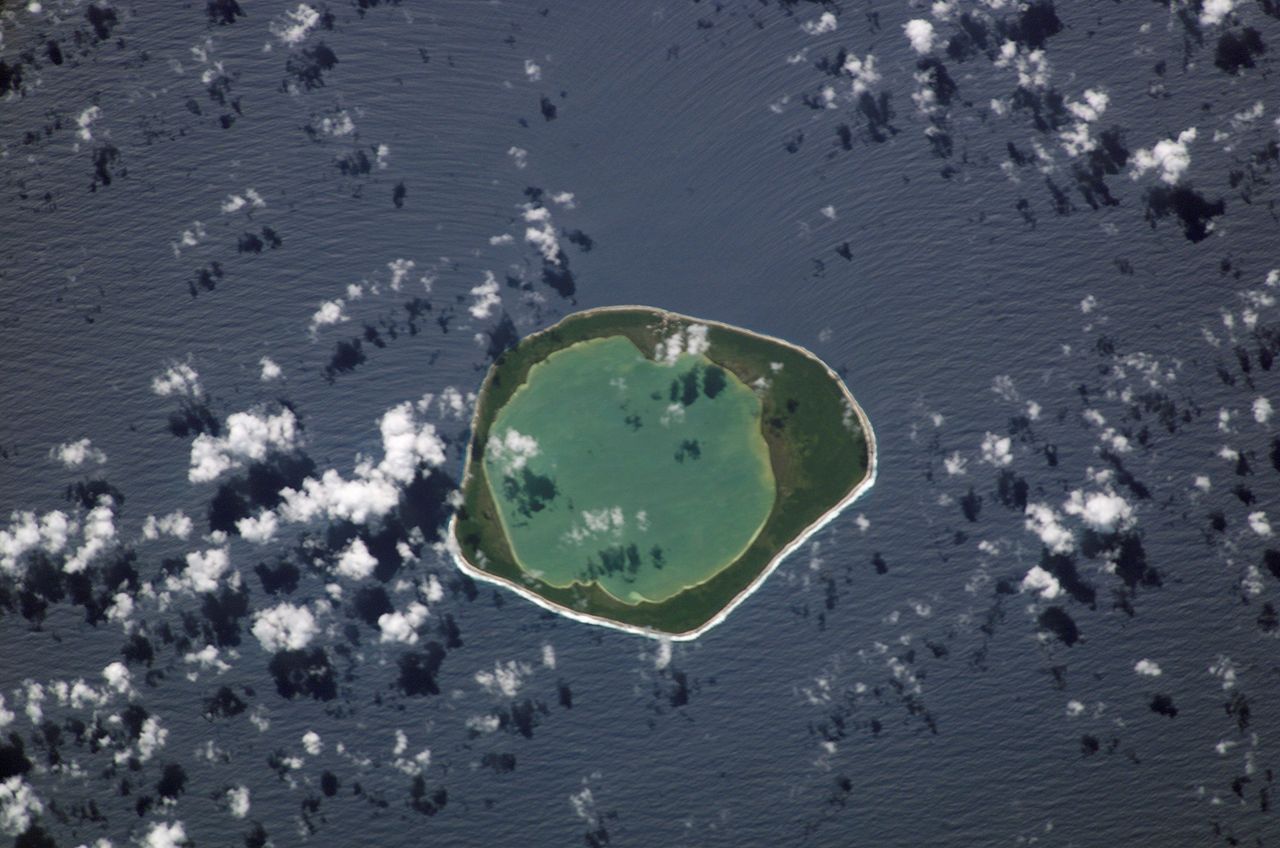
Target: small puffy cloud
point(863, 71)
point(166, 835)
point(486, 297)
point(540, 233)
point(203, 572)
point(292, 27)
point(178, 379)
point(920, 33)
point(1259, 524)
point(249, 436)
point(311, 743)
point(402, 627)
point(997, 450)
point(824, 24)
point(259, 529)
point(355, 562)
point(520, 156)
point(549, 656)
point(692, 340)
point(98, 533)
point(512, 450)
point(400, 269)
point(117, 676)
point(955, 464)
point(18, 805)
point(50, 533)
point(532, 70)
point(1261, 410)
point(330, 312)
point(175, 524)
point(238, 801)
point(1147, 668)
point(1169, 157)
point(505, 679)
point(1214, 12)
point(78, 453)
point(270, 370)
point(1045, 522)
point(1106, 512)
point(285, 627)
point(1041, 581)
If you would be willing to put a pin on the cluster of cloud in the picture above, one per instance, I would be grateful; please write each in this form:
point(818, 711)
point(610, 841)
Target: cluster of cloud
point(292, 28)
point(374, 490)
point(204, 572)
point(236, 202)
point(505, 679)
point(403, 627)
point(330, 312)
point(863, 71)
point(920, 33)
point(486, 297)
point(1102, 511)
point(511, 450)
point(692, 340)
point(178, 379)
point(540, 232)
point(77, 453)
point(997, 450)
point(1032, 66)
point(249, 436)
point(285, 627)
point(1171, 157)
point(596, 522)
point(824, 24)
point(175, 524)
point(1077, 139)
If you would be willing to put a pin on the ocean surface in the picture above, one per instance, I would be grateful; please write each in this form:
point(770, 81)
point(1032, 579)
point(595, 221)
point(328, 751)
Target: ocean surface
point(260, 254)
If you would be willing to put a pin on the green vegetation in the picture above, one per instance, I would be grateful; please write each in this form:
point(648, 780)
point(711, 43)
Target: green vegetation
point(817, 449)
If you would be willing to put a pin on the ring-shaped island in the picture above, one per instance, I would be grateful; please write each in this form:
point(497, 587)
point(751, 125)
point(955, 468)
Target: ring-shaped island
point(644, 470)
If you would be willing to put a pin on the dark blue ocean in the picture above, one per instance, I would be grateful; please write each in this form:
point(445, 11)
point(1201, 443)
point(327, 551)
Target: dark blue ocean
point(255, 258)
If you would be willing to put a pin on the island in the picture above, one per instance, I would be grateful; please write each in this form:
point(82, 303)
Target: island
point(644, 470)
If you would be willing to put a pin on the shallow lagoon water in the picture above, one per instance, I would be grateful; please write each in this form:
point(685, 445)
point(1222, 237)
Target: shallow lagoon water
point(646, 477)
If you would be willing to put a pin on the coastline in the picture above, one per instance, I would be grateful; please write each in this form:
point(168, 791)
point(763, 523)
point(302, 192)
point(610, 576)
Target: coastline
point(469, 568)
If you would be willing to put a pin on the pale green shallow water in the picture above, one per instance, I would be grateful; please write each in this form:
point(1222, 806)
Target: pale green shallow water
point(645, 495)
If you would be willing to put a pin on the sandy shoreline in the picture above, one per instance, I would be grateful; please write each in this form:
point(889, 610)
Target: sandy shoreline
point(867, 482)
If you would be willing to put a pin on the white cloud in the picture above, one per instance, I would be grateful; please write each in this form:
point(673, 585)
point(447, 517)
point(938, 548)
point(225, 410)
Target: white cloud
point(270, 370)
point(166, 835)
point(375, 489)
point(85, 122)
point(117, 676)
point(311, 743)
point(548, 656)
point(382, 156)
point(1171, 157)
point(692, 340)
point(863, 71)
point(1214, 12)
point(203, 572)
point(400, 269)
point(238, 801)
point(99, 532)
point(259, 529)
point(512, 450)
point(293, 27)
point(997, 450)
point(26, 533)
point(1106, 512)
point(1259, 524)
point(505, 679)
point(1039, 580)
point(178, 379)
point(175, 524)
point(1045, 522)
point(823, 25)
point(532, 70)
point(920, 33)
point(564, 198)
point(486, 297)
point(152, 738)
point(1077, 139)
point(1147, 668)
point(541, 233)
point(76, 454)
point(284, 627)
point(1261, 410)
point(249, 436)
point(402, 627)
point(355, 562)
point(330, 312)
point(18, 805)
point(520, 156)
